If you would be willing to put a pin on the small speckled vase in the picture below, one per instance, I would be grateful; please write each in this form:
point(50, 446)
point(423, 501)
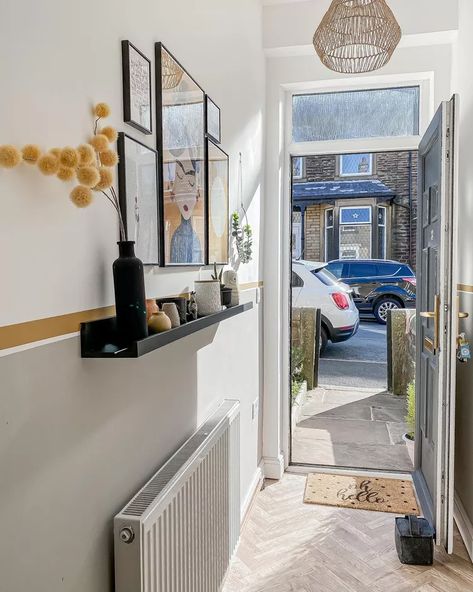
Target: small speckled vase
point(170, 309)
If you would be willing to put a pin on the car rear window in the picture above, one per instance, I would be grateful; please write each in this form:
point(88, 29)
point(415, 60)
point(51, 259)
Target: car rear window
point(325, 276)
point(336, 268)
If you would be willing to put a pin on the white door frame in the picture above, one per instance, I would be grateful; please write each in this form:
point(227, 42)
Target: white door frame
point(277, 339)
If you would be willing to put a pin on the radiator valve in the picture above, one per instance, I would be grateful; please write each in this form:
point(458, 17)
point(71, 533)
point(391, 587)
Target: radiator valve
point(127, 535)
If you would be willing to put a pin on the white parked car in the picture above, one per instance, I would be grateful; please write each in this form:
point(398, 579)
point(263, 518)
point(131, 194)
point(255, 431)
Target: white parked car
point(313, 286)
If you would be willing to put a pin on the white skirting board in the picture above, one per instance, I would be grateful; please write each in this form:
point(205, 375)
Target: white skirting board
point(464, 525)
point(252, 491)
point(273, 467)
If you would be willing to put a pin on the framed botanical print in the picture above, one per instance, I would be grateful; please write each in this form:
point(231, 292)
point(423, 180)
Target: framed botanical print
point(217, 204)
point(180, 117)
point(138, 195)
point(213, 120)
point(136, 69)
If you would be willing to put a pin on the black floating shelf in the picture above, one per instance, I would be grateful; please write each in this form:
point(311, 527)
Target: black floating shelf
point(99, 338)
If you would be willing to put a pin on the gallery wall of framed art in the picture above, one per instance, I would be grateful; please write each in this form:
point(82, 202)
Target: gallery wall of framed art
point(175, 197)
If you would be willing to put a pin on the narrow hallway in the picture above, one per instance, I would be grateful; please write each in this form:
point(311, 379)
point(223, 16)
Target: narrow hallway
point(288, 546)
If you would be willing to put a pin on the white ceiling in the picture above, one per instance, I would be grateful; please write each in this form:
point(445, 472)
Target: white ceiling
point(272, 2)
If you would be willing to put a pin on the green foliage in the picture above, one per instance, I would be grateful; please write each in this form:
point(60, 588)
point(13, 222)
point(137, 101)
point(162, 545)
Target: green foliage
point(411, 408)
point(216, 275)
point(243, 236)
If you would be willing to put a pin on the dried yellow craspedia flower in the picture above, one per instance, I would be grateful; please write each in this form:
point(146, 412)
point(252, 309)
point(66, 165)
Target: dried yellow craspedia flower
point(69, 157)
point(109, 158)
point(81, 196)
point(31, 153)
point(88, 176)
point(99, 142)
point(10, 156)
point(86, 154)
point(56, 152)
point(106, 178)
point(48, 164)
point(102, 110)
point(110, 132)
point(66, 173)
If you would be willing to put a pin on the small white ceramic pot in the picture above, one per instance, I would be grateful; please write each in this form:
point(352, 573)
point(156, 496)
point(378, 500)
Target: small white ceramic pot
point(207, 296)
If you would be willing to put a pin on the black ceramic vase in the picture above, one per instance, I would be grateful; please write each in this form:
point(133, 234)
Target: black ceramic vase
point(130, 301)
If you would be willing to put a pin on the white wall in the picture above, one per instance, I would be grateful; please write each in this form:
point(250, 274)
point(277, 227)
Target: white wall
point(289, 70)
point(79, 436)
point(463, 84)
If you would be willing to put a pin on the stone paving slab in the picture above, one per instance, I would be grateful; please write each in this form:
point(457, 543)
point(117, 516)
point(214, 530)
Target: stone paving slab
point(351, 427)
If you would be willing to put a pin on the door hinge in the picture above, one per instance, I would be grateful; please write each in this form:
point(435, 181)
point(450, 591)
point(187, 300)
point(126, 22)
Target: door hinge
point(442, 499)
point(448, 132)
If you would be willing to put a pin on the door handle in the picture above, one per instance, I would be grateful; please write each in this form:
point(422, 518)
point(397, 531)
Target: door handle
point(463, 315)
point(435, 315)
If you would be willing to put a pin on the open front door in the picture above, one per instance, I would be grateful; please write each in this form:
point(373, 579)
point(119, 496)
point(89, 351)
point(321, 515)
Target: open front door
point(437, 314)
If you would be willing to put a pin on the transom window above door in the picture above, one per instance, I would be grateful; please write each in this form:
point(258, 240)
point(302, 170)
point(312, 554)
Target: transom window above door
point(356, 165)
point(357, 114)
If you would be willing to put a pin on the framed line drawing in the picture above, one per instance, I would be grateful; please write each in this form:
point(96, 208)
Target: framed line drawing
point(136, 68)
point(138, 194)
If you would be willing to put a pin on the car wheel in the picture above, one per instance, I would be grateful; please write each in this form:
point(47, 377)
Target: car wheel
point(383, 307)
point(323, 340)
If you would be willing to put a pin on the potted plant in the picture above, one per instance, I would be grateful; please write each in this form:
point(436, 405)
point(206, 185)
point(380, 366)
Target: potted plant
point(411, 420)
point(225, 293)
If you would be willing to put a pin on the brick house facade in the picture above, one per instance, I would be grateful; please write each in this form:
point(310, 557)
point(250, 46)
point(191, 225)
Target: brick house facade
point(395, 172)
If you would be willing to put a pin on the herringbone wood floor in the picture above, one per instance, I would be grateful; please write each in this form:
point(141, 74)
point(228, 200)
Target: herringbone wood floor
point(288, 546)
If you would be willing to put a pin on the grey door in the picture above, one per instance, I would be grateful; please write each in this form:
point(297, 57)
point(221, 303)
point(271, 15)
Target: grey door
point(436, 330)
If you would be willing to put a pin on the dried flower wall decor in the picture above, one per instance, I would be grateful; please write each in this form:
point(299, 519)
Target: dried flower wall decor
point(90, 164)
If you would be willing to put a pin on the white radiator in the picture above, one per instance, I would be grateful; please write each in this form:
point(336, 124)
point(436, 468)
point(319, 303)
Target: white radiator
point(179, 532)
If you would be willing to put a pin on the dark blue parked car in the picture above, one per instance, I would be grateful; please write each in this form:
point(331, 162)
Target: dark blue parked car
point(378, 286)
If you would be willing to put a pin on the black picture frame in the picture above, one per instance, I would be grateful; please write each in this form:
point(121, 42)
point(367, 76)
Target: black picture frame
point(212, 235)
point(167, 260)
point(151, 254)
point(128, 52)
point(213, 128)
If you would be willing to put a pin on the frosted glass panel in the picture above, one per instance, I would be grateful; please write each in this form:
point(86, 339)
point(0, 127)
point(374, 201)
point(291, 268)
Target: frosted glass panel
point(389, 112)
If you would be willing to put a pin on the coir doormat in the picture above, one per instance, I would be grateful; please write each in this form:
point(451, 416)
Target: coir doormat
point(362, 493)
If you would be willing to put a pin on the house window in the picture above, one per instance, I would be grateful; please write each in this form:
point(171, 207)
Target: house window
point(356, 165)
point(355, 233)
point(382, 237)
point(298, 167)
point(371, 113)
point(329, 235)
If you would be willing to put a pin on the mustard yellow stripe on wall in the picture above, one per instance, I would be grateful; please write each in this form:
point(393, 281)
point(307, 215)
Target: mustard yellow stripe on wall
point(30, 331)
point(48, 328)
point(465, 288)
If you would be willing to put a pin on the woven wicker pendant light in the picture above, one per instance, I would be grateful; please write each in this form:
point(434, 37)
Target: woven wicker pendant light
point(357, 36)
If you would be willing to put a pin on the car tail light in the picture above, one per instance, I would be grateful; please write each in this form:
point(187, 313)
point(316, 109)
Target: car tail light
point(341, 300)
point(410, 280)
